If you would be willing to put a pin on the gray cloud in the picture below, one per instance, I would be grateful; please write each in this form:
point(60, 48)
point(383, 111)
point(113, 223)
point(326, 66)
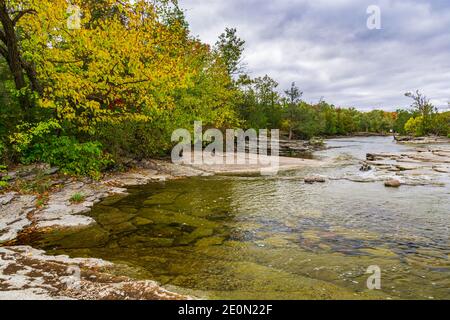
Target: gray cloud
point(327, 49)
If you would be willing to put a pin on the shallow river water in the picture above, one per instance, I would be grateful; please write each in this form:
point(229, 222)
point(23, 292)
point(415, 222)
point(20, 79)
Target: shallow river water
point(277, 237)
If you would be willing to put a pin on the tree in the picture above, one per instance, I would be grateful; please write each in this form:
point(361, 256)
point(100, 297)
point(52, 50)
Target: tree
point(292, 112)
point(125, 64)
point(268, 100)
point(415, 126)
point(309, 121)
point(422, 107)
point(402, 118)
point(21, 68)
point(10, 110)
point(127, 76)
point(231, 47)
point(259, 103)
point(441, 124)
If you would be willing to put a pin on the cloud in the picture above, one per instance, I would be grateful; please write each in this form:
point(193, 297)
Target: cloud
point(327, 49)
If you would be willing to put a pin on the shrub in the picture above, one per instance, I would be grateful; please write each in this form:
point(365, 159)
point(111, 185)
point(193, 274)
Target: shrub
point(3, 179)
point(2, 152)
point(40, 143)
point(441, 124)
point(317, 142)
point(28, 134)
point(136, 140)
point(71, 156)
point(414, 126)
point(77, 198)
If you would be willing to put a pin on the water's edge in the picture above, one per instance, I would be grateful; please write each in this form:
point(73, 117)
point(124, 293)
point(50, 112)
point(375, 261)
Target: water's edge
point(156, 208)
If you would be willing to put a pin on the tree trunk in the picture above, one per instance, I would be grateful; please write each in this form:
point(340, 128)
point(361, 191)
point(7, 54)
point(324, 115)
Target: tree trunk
point(13, 57)
point(30, 70)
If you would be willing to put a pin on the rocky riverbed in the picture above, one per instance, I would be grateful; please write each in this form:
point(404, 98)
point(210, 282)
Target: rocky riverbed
point(419, 162)
point(423, 166)
point(28, 274)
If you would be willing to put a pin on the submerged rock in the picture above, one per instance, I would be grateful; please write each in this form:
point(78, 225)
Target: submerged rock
point(392, 183)
point(136, 240)
point(374, 157)
point(195, 235)
point(91, 237)
point(162, 198)
point(161, 216)
point(113, 216)
point(380, 252)
point(211, 241)
point(139, 221)
point(407, 167)
point(123, 227)
point(312, 180)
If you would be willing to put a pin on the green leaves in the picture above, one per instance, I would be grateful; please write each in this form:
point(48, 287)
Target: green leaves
point(230, 48)
point(3, 179)
point(72, 157)
point(27, 133)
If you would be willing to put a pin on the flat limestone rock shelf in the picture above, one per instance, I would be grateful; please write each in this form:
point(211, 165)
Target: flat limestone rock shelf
point(255, 165)
point(26, 273)
point(29, 274)
point(273, 237)
point(231, 234)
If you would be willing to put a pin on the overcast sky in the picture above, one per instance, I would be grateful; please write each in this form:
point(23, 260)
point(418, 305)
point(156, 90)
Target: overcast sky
point(327, 49)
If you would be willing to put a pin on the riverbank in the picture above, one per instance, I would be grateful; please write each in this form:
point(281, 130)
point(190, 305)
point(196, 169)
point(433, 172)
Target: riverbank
point(26, 273)
point(29, 274)
point(422, 140)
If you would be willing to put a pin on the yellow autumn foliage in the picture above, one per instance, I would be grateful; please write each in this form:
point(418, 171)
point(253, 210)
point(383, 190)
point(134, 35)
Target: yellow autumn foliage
point(123, 63)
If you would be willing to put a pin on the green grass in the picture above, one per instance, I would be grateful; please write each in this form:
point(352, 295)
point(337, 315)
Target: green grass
point(3, 184)
point(4, 180)
point(77, 198)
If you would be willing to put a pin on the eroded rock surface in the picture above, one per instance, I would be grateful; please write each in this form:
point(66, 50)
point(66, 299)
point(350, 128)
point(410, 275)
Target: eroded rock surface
point(423, 166)
point(60, 212)
point(420, 166)
point(26, 273)
point(14, 213)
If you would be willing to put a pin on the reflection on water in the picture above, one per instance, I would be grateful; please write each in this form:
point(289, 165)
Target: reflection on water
point(277, 237)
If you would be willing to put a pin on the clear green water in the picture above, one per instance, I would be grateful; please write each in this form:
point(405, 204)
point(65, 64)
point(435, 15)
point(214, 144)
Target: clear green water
point(276, 238)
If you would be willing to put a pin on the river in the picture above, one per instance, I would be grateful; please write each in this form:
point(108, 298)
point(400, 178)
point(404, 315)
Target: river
point(277, 237)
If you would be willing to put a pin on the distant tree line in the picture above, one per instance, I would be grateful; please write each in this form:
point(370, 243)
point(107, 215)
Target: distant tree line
point(262, 106)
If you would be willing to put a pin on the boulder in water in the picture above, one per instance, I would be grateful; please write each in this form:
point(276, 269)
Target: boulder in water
point(312, 180)
point(393, 183)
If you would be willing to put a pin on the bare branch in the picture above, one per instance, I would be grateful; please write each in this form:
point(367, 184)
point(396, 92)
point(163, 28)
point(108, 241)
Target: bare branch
point(21, 14)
